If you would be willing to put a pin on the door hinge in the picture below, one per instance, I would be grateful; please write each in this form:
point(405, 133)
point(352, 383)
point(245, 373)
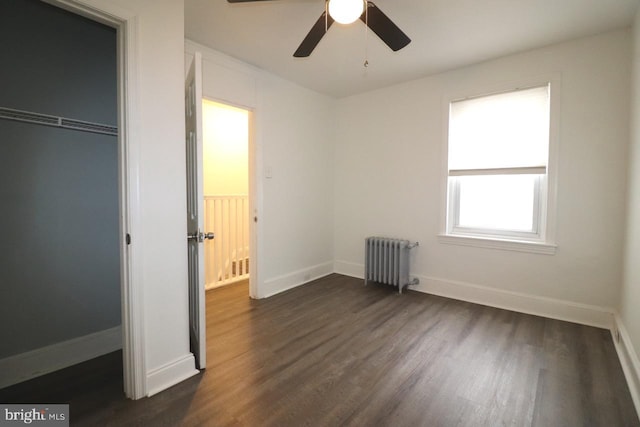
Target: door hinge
point(128, 239)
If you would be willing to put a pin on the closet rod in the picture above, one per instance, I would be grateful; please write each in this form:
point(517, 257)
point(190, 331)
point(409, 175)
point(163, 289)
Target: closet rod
point(60, 122)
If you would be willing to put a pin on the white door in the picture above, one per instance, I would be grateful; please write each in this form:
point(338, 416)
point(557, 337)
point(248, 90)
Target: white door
point(195, 211)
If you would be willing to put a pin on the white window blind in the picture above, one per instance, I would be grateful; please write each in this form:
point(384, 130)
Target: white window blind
point(498, 151)
point(503, 131)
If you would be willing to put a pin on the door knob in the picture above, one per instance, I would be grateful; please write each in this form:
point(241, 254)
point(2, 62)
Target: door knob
point(199, 236)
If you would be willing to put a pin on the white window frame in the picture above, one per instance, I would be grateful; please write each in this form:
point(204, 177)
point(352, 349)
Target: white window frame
point(539, 190)
point(542, 238)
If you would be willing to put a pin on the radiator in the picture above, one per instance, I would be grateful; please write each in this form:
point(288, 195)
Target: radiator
point(386, 261)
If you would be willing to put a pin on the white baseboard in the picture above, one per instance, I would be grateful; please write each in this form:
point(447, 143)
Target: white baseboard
point(296, 278)
point(216, 285)
point(170, 374)
point(41, 361)
point(349, 269)
point(591, 315)
point(628, 359)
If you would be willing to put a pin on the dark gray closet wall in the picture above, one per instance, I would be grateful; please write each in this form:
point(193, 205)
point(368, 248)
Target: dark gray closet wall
point(59, 247)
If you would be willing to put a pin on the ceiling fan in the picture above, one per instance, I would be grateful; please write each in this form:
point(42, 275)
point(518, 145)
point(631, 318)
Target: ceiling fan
point(346, 12)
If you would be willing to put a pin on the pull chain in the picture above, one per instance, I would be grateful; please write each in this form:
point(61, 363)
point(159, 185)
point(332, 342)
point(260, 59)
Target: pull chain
point(366, 34)
point(326, 16)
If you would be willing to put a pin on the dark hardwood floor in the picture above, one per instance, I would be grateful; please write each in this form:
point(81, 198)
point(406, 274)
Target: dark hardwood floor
point(334, 352)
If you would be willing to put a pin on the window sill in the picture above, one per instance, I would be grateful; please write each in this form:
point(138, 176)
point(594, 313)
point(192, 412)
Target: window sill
point(502, 244)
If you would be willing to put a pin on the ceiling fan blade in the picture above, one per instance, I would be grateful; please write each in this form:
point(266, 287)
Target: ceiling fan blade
point(384, 27)
point(315, 35)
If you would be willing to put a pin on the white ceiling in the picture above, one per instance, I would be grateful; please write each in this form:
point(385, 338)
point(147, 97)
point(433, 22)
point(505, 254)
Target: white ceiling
point(445, 34)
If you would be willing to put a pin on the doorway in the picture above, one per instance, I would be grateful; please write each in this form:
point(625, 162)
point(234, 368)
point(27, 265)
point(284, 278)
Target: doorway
point(126, 25)
point(226, 193)
point(230, 187)
point(62, 181)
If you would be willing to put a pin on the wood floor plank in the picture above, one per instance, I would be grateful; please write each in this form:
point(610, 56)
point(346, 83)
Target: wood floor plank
point(334, 352)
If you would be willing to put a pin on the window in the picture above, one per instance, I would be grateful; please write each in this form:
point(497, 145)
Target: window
point(498, 153)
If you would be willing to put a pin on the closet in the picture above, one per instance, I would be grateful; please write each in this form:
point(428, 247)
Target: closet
point(59, 215)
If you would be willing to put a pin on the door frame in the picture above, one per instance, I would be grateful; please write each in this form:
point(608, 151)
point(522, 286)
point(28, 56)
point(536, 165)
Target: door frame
point(244, 92)
point(124, 21)
point(254, 192)
point(255, 208)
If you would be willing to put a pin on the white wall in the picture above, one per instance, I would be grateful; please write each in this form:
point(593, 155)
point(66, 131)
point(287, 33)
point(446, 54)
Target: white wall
point(293, 137)
point(629, 320)
point(155, 130)
point(162, 180)
point(390, 177)
point(225, 150)
point(157, 141)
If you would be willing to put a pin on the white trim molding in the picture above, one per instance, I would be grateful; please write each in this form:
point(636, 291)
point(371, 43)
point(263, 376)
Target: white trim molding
point(41, 361)
point(590, 315)
point(296, 278)
point(170, 374)
point(350, 269)
point(628, 359)
point(134, 349)
point(501, 244)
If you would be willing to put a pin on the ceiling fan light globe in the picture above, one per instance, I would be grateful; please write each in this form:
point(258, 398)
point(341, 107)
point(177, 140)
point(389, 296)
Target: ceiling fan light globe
point(346, 11)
